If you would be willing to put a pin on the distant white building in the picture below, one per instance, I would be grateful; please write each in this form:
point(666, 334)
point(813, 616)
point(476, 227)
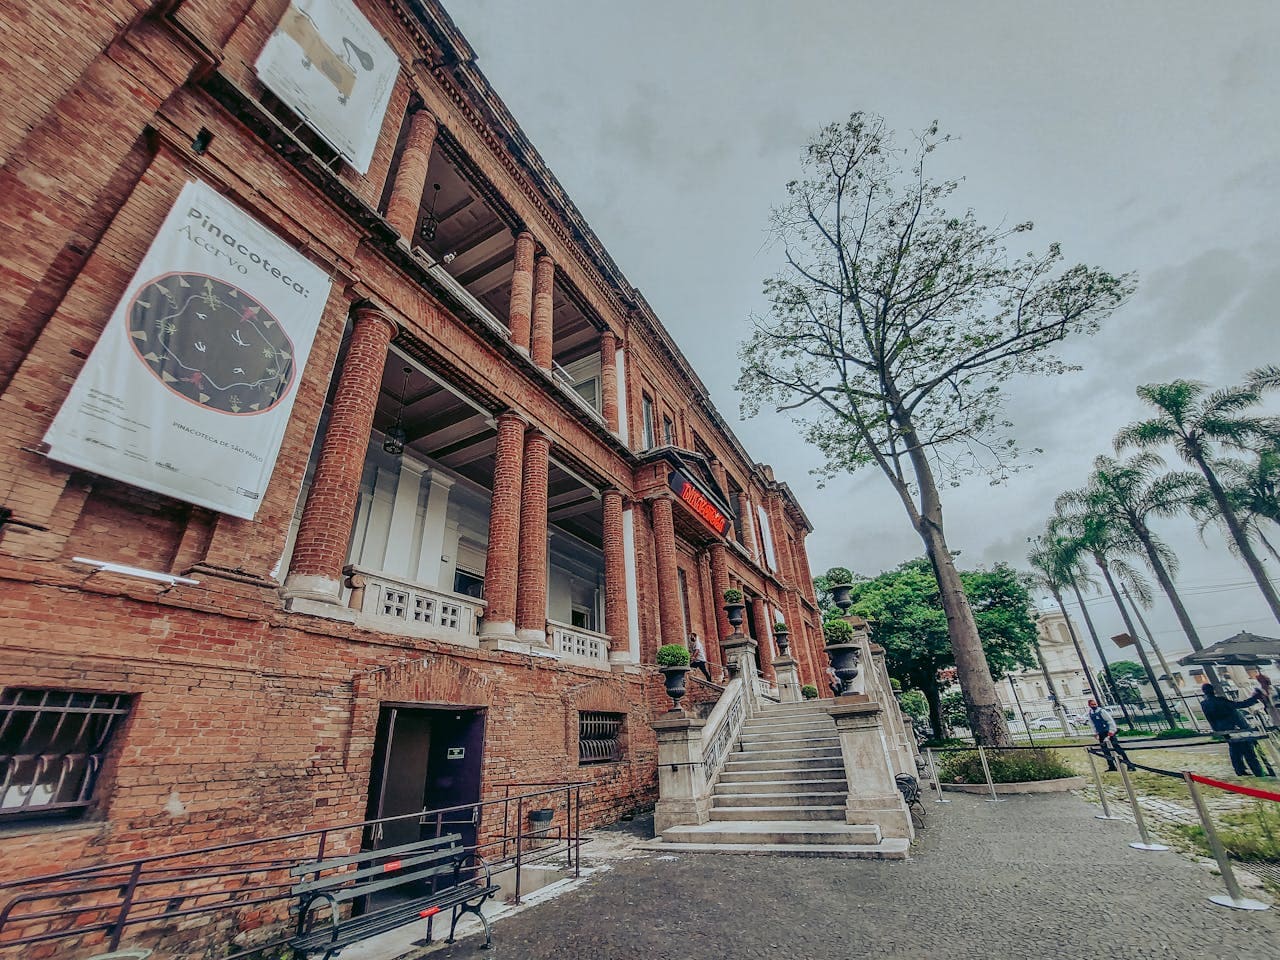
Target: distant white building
point(1064, 669)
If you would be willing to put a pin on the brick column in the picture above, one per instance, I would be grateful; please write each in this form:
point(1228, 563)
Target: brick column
point(664, 540)
point(504, 529)
point(411, 176)
point(521, 291)
point(719, 584)
point(544, 272)
point(717, 471)
point(764, 622)
point(616, 620)
point(609, 379)
point(320, 550)
point(531, 579)
point(748, 516)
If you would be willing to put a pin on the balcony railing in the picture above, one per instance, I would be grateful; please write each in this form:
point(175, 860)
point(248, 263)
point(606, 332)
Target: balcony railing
point(422, 609)
point(575, 643)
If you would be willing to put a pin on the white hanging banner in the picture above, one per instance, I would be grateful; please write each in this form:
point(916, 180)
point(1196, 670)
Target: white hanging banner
point(326, 61)
point(189, 388)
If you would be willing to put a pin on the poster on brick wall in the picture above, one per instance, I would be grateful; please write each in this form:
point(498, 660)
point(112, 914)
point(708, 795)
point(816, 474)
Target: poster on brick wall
point(189, 388)
point(326, 61)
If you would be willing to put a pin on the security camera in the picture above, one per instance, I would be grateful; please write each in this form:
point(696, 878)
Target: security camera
point(449, 257)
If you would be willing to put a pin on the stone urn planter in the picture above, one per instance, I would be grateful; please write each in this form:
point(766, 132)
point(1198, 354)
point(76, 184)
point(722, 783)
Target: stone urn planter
point(840, 582)
point(783, 636)
point(841, 650)
point(734, 608)
point(673, 677)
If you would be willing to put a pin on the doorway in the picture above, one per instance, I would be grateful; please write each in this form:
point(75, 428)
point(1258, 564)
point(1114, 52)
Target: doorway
point(424, 758)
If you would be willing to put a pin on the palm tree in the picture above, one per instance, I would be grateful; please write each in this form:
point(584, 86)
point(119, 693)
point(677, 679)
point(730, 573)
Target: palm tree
point(1056, 568)
point(1253, 487)
point(1196, 422)
point(1107, 543)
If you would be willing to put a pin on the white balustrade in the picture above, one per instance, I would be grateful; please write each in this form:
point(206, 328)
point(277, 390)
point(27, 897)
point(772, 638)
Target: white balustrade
point(421, 609)
point(578, 644)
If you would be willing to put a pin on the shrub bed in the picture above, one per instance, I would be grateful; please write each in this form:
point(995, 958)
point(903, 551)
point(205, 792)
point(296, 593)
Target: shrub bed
point(1007, 766)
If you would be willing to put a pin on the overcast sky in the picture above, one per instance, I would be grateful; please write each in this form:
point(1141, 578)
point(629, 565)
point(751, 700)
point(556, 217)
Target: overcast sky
point(1143, 136)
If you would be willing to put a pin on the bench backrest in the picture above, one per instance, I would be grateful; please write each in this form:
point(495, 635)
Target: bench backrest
point(358, 874)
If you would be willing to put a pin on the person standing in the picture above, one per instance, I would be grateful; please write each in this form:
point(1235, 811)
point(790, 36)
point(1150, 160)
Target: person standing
point(1224, 717)
point(1104, 725)
point(698, 655)
point(1266, 695)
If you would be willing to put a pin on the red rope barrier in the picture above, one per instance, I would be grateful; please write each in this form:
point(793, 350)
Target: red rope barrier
point(1236, 788)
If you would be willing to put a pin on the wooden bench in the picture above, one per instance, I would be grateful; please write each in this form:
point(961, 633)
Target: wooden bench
point(438, 874)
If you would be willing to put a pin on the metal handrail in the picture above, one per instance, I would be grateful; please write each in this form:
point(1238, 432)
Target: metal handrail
point(131, 879)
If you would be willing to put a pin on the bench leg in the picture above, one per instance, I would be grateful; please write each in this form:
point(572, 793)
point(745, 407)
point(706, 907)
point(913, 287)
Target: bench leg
point(453, 926)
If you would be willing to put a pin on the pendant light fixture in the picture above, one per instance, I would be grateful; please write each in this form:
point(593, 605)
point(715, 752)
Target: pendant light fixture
point(394, 440)
point(429, 223)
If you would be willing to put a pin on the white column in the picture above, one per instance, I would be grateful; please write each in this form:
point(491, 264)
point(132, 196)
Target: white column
point(633, 594)
point(434, 522)
point(621, 366)
point(404, 516)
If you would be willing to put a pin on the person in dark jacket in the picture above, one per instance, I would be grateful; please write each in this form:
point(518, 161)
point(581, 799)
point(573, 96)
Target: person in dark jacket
point(1224, 717)
point(1104, 725)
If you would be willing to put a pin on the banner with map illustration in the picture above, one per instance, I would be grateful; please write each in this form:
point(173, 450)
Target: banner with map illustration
point(189, 388)
point(330, 66)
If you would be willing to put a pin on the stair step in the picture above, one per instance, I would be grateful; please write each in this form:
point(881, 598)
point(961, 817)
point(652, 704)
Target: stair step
point(763, 723)
point(761, 741)
point(754, 786)
point(783, 798)
point(784, 757)
point(792, 710)
point(786, 814)
point(747, 761)
point(890, 848)
point(750, 774)
point(774, 831)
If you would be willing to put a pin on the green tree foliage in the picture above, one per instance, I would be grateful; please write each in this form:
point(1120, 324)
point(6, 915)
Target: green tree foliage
point(892, 329)
point(1128, 676)
point(914, 705)
point(907, 619)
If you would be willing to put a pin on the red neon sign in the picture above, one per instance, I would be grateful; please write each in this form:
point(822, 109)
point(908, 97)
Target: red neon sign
point(693, 498)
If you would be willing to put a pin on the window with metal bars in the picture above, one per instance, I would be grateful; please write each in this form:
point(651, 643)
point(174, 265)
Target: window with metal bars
point(52, 747)
point(599, 737)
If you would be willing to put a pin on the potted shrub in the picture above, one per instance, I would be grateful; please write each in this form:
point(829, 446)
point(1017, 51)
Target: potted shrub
point(673, 662)
point(840, 582)
point(782, 635)
point(841, 649)
point(809, 692)
point(733, 607)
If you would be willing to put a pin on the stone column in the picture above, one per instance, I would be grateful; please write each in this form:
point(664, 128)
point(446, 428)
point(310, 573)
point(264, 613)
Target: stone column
point(432, 568)
point(320, 549)
point(518, 319)
point(544, 272)
point(609, 379)
point(504, 530)
point(740, 659)
point(873, 795)
point(764, 623)
point(721, 478)
point(748, 516)
point(664, 537)
point(616, 619)
point(411, 176)
point(531, 591)
point(683, 797)
point(719, 584)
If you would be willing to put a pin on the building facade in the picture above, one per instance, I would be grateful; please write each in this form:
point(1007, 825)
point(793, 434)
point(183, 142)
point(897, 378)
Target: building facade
point(1060, 662)
point(494, 488)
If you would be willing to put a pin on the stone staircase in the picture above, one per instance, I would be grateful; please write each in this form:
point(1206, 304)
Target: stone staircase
point(783, 791)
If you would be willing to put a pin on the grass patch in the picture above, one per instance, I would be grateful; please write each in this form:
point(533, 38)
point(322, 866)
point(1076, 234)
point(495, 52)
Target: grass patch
point(1013, 766)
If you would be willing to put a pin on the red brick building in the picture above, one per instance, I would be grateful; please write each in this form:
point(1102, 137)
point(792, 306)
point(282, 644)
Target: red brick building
point(499, 488)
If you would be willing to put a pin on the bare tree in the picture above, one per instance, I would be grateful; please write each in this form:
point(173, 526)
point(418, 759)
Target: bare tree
point(891, 330)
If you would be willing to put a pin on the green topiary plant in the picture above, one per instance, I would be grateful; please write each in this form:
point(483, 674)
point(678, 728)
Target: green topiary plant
point(837, 631)
point(839, 577)
point(673, 655)
point(809, 691)
point(733, 596)
point(780, 627)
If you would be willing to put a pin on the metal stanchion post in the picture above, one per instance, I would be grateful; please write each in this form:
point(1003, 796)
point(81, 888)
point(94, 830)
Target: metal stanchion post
point(1102, 793)
point(1234, 897)
point(1145, 843)
point(986, 770)
point(933, 768)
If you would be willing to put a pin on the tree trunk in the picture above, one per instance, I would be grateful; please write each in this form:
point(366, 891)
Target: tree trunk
point(1241, 538)
point(934, 699)
point(1106, 666)
point(1166, 584)
point(1137, 643)
point(1075, 642)
point(986, 716)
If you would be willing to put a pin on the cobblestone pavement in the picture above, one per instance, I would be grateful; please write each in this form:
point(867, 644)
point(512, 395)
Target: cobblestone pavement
point(1034, 877)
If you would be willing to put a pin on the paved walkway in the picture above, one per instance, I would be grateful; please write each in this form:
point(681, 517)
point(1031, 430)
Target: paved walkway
point(1030, 878)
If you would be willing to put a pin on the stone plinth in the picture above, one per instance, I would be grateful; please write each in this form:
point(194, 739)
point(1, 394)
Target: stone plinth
point(788, 679)
point(682, 783)
point(869, 767)
point(740, 660)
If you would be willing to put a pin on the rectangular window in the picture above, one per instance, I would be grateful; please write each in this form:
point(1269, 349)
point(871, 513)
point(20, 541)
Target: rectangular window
point(468, 584)
point(599, 737)
point(589, 390)
point(668, 432)
point(52, 747)
point(647, 408)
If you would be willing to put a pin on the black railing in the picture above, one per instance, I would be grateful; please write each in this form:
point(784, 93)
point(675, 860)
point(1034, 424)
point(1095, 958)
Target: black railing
point(245, 885)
